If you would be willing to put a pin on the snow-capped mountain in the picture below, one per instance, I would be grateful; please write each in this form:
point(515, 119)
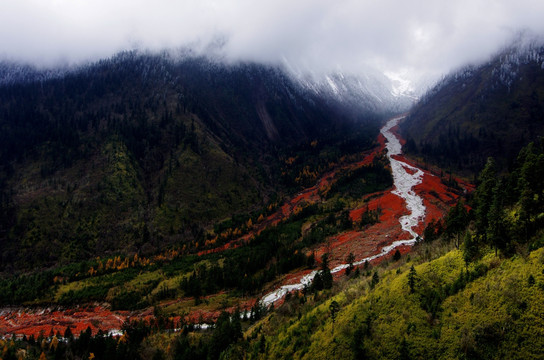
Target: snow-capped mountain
point(373, 91)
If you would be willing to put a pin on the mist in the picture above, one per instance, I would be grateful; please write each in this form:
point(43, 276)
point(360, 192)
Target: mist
point(410, 39)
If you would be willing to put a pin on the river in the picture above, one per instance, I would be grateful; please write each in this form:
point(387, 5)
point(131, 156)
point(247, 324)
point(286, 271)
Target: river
point(405, 177)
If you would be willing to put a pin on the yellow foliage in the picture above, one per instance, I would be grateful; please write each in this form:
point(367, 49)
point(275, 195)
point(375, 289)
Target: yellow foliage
point(503, 303)
point(54, 343)
point(109, 264)
point(21, 354)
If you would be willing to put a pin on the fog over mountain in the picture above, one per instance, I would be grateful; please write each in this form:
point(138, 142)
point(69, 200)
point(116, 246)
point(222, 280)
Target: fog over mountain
point(409, 41)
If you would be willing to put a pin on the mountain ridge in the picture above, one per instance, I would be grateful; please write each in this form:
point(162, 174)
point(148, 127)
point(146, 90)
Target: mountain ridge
point(492, 109)
point(140, 151)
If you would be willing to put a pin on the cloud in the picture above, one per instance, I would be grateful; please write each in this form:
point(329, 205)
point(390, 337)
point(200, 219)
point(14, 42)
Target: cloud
point(414, 37)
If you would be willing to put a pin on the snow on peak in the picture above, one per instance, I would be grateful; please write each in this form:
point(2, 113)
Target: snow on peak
point(400, 85)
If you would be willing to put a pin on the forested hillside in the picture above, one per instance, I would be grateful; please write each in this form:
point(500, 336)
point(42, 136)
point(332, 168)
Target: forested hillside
point(492, 109)
point(472, 290)
point(140, 152)
point(172, 198)
point(481, 299)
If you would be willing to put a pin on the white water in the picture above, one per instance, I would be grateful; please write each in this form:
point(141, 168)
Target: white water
point(404, 182)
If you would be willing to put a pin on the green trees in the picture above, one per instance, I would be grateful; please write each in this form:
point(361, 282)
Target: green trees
point(456, 221)
point(323, 278)
point(508, 209)
point(334, 308)
point(484, 197)
point(227, 330)
point(326, 272)
point(361, 336)
point(412, 279)
point(433, 230)
point(350, 259)
point(496, 232)
point(375, 280)
point(530, 188)
point(470, 248)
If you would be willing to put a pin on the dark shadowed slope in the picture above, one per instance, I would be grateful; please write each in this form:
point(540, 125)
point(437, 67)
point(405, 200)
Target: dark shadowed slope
point(488, 110)
point(138, 152)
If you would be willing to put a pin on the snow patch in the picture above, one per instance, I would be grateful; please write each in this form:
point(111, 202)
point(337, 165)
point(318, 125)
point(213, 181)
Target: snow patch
point(400, 85)
point(115, 333)
point(333, 86)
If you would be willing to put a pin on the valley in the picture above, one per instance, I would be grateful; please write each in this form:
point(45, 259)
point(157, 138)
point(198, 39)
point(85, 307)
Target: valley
point(162, 206)
point(416, 198)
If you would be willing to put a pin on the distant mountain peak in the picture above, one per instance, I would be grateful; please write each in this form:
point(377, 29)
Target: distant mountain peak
point(402, 87)
point(372, 91)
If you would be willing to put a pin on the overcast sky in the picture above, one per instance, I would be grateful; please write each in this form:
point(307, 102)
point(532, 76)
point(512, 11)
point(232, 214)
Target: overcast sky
point(411, 37)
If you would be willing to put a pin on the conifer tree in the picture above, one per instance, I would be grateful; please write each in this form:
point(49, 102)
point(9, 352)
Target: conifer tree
point(456, 221)
point(496, 233)
point(326, 275)
point(412, 279)
point(334, 308)
point(350, 259)
point(470, 248)
point(484, 197)
point(375, 280)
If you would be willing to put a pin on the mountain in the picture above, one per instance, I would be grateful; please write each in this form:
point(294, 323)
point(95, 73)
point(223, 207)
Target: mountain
point(17, 73)
point(141, 151)
point(154, 185)
point(372, 92)
point(492, 109)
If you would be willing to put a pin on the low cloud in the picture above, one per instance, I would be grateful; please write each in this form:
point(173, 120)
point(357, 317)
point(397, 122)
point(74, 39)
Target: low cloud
point(413, 38)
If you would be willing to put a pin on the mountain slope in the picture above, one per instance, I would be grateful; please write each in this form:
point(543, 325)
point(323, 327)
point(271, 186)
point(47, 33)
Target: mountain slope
point(486, 311)
point(139, 152)
point(374, 92)
point(488, 110)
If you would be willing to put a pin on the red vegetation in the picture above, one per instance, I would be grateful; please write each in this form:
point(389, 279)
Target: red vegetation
point(50, 321)
point(437, 198)
point(307, 196)
point(369, 241)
